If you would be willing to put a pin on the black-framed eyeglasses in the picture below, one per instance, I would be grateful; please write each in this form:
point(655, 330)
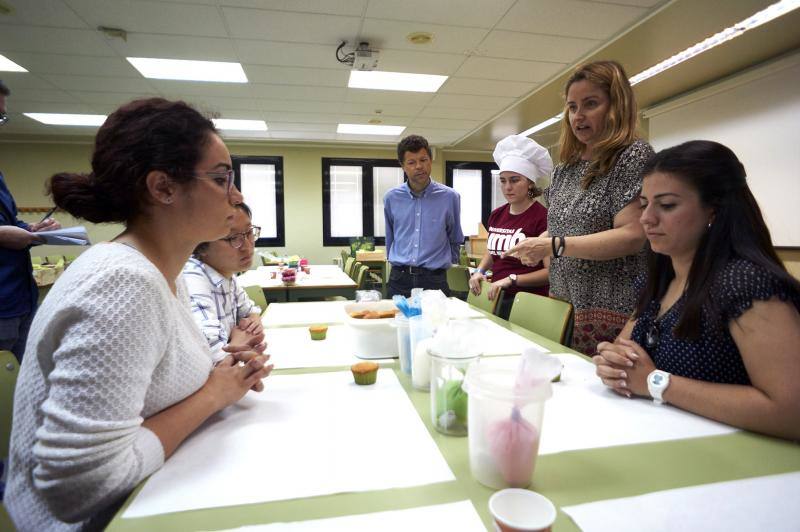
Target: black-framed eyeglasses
point(223, 179)
point(237, 240)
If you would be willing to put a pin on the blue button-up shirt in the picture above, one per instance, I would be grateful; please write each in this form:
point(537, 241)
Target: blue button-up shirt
point(18, 292)
point(423, 230)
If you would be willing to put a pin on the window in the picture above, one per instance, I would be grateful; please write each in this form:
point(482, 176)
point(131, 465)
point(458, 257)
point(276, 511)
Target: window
point(479, 188)
point(261, 181)
point(352, 198)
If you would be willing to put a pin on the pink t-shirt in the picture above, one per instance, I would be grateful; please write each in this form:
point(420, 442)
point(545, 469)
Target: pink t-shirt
point(506, 230)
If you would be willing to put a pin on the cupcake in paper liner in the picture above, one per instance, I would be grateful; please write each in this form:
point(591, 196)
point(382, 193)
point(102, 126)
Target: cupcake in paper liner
point(318, 332)
point(365, 372)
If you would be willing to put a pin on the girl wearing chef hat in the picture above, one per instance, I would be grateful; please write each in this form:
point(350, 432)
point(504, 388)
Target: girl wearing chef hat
point(522, 164)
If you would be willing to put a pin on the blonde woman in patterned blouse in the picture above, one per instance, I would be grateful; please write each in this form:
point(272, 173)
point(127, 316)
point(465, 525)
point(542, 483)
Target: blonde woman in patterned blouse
point(593, 232)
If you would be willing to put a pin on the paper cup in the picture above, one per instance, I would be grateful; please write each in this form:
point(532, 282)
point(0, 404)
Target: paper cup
point(518, 510)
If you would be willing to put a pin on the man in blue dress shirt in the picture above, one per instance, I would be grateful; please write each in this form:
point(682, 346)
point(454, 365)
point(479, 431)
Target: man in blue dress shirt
point(423, 223)
point(18, 292)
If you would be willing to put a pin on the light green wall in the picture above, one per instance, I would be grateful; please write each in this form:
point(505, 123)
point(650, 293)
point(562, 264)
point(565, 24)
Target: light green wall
point(27, 165)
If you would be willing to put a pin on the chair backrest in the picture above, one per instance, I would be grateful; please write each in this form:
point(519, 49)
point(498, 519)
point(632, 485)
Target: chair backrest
point(482, 301)
point(458, 279)
point(345, 255)
point(256, 293)
point(360, 276)
point(54, 259)
point(36, 260)
point(542, 315)
point(9, 369)
point(348, 266)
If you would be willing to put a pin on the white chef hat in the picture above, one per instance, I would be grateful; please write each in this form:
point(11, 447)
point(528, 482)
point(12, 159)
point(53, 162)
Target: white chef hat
point(524, 156)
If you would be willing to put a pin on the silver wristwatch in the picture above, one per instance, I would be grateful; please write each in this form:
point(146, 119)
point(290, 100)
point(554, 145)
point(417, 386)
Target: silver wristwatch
point(657, 384)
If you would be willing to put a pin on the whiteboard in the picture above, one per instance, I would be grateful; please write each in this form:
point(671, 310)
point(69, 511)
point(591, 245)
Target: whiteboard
point(757, 115)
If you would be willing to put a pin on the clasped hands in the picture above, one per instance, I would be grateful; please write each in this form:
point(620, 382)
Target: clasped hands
point(475, 285)
point(623, 366)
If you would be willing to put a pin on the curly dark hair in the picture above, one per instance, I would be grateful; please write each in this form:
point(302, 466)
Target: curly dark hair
point(412, 143)
point(136, 139)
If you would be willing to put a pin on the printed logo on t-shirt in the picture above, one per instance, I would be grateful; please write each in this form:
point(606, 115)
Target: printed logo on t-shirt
point(501, 239)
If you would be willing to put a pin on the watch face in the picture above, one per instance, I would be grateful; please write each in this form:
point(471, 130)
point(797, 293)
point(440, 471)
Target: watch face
point(658, 379)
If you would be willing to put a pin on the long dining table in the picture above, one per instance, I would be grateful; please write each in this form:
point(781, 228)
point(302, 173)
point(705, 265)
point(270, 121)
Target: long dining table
point(324, 280)
point(576, 474)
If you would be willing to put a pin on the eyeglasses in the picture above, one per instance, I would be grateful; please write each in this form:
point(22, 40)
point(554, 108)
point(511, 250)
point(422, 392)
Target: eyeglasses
point(237, 240)
point(223, 179)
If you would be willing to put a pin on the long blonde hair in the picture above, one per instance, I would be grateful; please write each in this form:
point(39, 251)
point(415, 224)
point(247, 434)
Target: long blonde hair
point(621, 119)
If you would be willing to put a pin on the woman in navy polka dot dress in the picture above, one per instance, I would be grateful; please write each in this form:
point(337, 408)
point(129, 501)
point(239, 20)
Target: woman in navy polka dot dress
point(716, 330)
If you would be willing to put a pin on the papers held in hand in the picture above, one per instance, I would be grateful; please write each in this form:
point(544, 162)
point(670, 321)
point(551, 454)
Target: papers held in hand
point(69, 236)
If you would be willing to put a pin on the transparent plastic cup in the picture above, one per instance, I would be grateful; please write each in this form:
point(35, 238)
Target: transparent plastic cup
point(420, 330)
point(505, 426)
point(403, 342)
point(449, 401)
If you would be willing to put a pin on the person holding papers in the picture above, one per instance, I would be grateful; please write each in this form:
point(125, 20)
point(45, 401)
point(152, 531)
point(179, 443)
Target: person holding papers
point(117, 374)
point(18, 292)
point(219, 305)
point(716, 330)
point(522, 162)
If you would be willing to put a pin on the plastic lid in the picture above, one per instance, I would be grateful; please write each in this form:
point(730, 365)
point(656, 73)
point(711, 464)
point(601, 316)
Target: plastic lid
point(484, 380)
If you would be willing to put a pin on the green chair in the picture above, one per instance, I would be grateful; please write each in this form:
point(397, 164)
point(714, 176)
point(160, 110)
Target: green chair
point(458, 281)
point(348, 266)
point(360, 276)
point(36, 260)
point(54, 259)
point(542, 315)
point(482, 301)
point(345, 256)
point(257, 295)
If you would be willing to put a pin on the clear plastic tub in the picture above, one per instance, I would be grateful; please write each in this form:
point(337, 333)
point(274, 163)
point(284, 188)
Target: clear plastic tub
point(504, 426)
point(373, 338)
point(449, 402)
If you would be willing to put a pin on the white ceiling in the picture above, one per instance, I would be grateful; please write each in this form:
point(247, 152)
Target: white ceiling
point(495, 52)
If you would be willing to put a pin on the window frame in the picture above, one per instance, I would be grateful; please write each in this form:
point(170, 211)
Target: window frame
point(280, 221)
point(486, 182)
point(367, 189)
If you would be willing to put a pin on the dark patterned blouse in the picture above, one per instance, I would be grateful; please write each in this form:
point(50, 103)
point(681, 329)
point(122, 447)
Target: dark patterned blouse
point(601, 291)
point(713, 357)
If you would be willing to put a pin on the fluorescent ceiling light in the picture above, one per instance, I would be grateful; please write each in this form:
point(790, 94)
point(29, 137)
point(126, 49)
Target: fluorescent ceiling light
point(762, 17)
point(395, 81)
point(57, 119)
point(7, 65)
point(367, 129)
point(542, 125)
point(189, 70)
point(240, 125)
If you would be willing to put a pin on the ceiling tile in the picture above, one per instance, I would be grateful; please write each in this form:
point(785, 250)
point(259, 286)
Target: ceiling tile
point(201, 88)
point(20, 96)
point(49, 40)
point(224, 107)
point(299, 106)
point(302, 135)
point(339, 7)
point(291, 27)
point(370, 108)
point(535, 47)
point(287, 54)
point(471, 102)
point(474, 13)
point(20, 82)
point(88, 83)
point(143, 16)
point(508, 69)
point(436, 111)
point(389, 97)
point(175, 47)
point(640, 3)
point(486, 87)
point(591, 20)
point(328, 77)
point(52, 107)
point(298, 92)
point(419, 62)
point(81, 65)
point(391, 34)
point(110, 99)
point(43, 13)
point(444, 123)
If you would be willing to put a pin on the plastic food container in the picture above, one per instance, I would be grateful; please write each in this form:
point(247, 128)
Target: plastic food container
point(373, 337)
point(449, 401)
point(403, 342)
point(505, 426)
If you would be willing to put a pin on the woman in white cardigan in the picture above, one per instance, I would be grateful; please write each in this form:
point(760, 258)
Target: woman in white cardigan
point(116, 372)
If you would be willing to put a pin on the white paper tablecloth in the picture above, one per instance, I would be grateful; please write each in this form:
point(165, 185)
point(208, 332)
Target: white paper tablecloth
point(460, 516)
point(292, 347)
point(304, 436)
point(750, 505)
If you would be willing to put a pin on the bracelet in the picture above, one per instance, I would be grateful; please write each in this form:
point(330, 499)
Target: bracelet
point(481, 271)
point(562, 245)
point(553, 245)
